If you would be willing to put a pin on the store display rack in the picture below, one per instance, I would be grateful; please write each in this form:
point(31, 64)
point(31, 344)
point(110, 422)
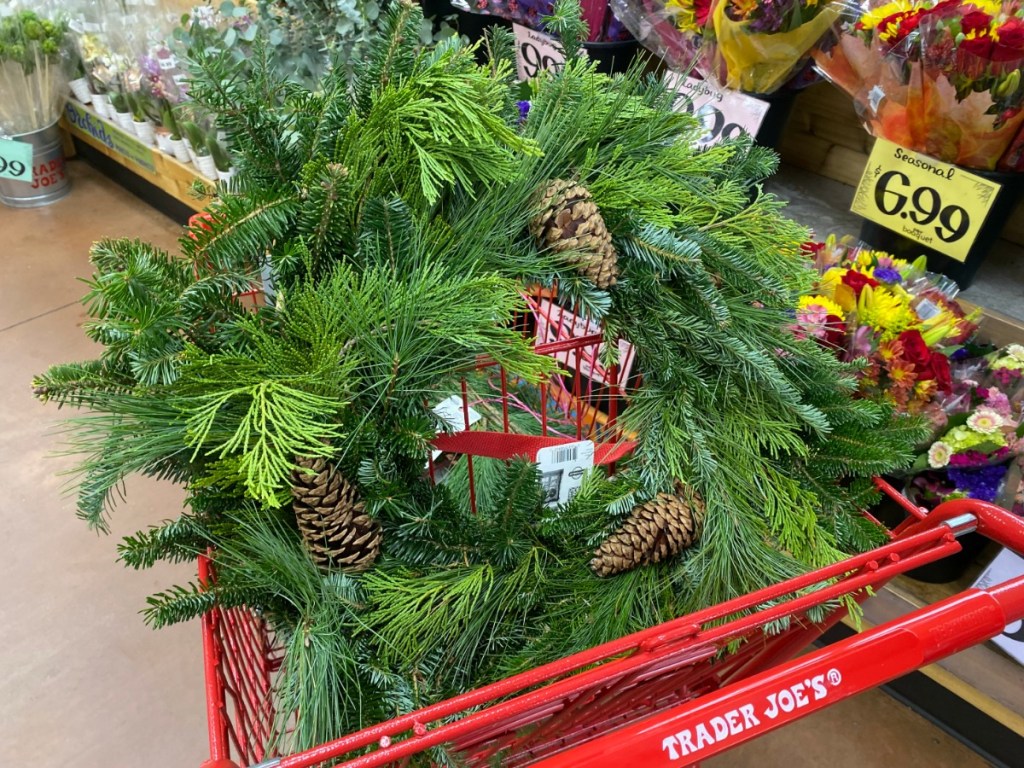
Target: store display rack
point(178, 180)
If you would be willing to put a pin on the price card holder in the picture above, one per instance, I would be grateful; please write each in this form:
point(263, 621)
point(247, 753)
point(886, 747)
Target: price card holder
point(923, 199)
point(15, 160)
point(724, 114)
point(536, 52)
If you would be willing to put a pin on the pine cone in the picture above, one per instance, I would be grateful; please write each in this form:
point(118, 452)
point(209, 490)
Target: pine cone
point(654, 531)
point(570, 221)
point(334, 529)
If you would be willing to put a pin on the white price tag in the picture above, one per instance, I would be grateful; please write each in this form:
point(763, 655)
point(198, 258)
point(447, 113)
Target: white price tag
point(168, 62)
point(724, 114)
point(562, 468)
point(536, 52)
point(450, 412)
point(1006, 566)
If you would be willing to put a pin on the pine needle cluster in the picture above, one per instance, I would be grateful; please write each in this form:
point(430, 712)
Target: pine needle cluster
point(391, 206)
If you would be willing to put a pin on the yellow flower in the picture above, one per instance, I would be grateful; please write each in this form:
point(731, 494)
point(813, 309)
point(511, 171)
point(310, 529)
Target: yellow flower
point(991, 7)
point(820, 303)
point(871, 19)
point(885, 311)
point(865, 259)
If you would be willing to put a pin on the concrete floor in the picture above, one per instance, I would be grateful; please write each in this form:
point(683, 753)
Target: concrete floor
point(84, 682)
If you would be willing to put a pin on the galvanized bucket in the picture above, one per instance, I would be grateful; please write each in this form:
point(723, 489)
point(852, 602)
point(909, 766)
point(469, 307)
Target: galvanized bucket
point(50, 180)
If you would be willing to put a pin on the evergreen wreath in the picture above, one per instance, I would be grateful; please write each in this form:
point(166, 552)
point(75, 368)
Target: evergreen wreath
point(401, 211)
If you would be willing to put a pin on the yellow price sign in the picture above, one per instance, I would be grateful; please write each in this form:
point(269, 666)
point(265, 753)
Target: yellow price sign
point(933, 203)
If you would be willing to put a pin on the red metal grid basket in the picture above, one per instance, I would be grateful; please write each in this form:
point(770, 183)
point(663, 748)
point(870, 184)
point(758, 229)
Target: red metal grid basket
point(671, 695)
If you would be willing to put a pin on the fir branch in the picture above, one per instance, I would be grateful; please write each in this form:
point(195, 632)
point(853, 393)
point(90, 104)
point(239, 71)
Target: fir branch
point(175, 541)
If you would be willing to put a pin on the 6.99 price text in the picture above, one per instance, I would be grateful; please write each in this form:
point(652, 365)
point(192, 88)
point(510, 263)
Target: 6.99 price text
point(893, 192)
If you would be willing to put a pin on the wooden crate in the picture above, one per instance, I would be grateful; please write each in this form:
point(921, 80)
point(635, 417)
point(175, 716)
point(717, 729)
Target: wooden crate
point(162, 171)
point(824, 135)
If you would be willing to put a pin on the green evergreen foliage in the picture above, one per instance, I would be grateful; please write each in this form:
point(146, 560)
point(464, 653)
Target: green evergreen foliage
point(392, 207)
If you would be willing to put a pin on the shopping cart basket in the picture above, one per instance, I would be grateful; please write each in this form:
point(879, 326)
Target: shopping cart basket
point(671, 695)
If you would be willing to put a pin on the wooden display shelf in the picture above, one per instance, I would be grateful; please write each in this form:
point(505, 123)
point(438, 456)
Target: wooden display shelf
point(825, 135)
point(150, 164)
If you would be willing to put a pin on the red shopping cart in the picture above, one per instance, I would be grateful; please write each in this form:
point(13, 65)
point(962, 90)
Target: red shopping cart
point(671, 695)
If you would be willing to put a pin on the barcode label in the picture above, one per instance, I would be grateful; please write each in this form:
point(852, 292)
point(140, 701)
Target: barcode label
point(563, 455)
point(562, 468)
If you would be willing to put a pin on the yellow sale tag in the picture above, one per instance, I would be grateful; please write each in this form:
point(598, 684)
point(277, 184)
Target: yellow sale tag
point(933, 203)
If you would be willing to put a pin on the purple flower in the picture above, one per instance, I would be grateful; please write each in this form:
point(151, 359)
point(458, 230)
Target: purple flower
point(982, 483)
point(524, 110)
point(888, 275)
point(150, 66)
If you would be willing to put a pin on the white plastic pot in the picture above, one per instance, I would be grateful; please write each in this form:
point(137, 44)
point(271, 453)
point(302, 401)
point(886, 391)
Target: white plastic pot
point(206, 166)
point(145, 131)
point(163, 142)
point(80, 88)
point(101, 103)
point(225, 177)
point(125, 122)
point(180, 150)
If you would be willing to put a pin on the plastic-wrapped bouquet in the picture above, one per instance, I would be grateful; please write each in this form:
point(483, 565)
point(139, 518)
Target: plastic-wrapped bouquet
point(941, 77)
point(889, 313)
point(757, 45)
point(604, 25)
point(35, 67)
point(673, 29)
point(976, 451)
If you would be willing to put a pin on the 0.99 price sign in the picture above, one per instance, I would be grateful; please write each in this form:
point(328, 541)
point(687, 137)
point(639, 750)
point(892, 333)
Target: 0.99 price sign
point(928, 201)
point(15, 160)
point(723, 114)
point(536, 52)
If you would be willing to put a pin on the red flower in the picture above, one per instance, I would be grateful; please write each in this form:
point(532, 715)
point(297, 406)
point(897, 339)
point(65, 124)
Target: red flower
point(1011, 41)
point(940, 372)
point(975, 21)
point(835, 332)
point(908, 25)
point(980, 46)
point(915, 349)
point(947, 9)
point(701, 11)
point(857, 281)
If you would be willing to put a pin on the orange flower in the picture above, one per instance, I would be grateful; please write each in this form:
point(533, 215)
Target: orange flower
point(890, 350)
point(902, 375)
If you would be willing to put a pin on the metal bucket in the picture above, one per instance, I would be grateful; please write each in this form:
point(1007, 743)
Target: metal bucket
point(50, 180)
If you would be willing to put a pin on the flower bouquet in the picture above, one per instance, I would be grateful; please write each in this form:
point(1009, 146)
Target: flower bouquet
point(604, 25)
point(757, 46)
point(35, 67)
point(942, 78)
point(672, 29)
point(891, 314)
point(981, 443)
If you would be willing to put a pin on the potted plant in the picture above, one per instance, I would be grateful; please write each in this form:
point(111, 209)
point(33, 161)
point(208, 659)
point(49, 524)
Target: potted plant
point(141, 124)
point(178, 145)
point(34, 68)
point(199, 149)
point(221, 158)
point(122, 109)
point(80, 83)
point(167, 129)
